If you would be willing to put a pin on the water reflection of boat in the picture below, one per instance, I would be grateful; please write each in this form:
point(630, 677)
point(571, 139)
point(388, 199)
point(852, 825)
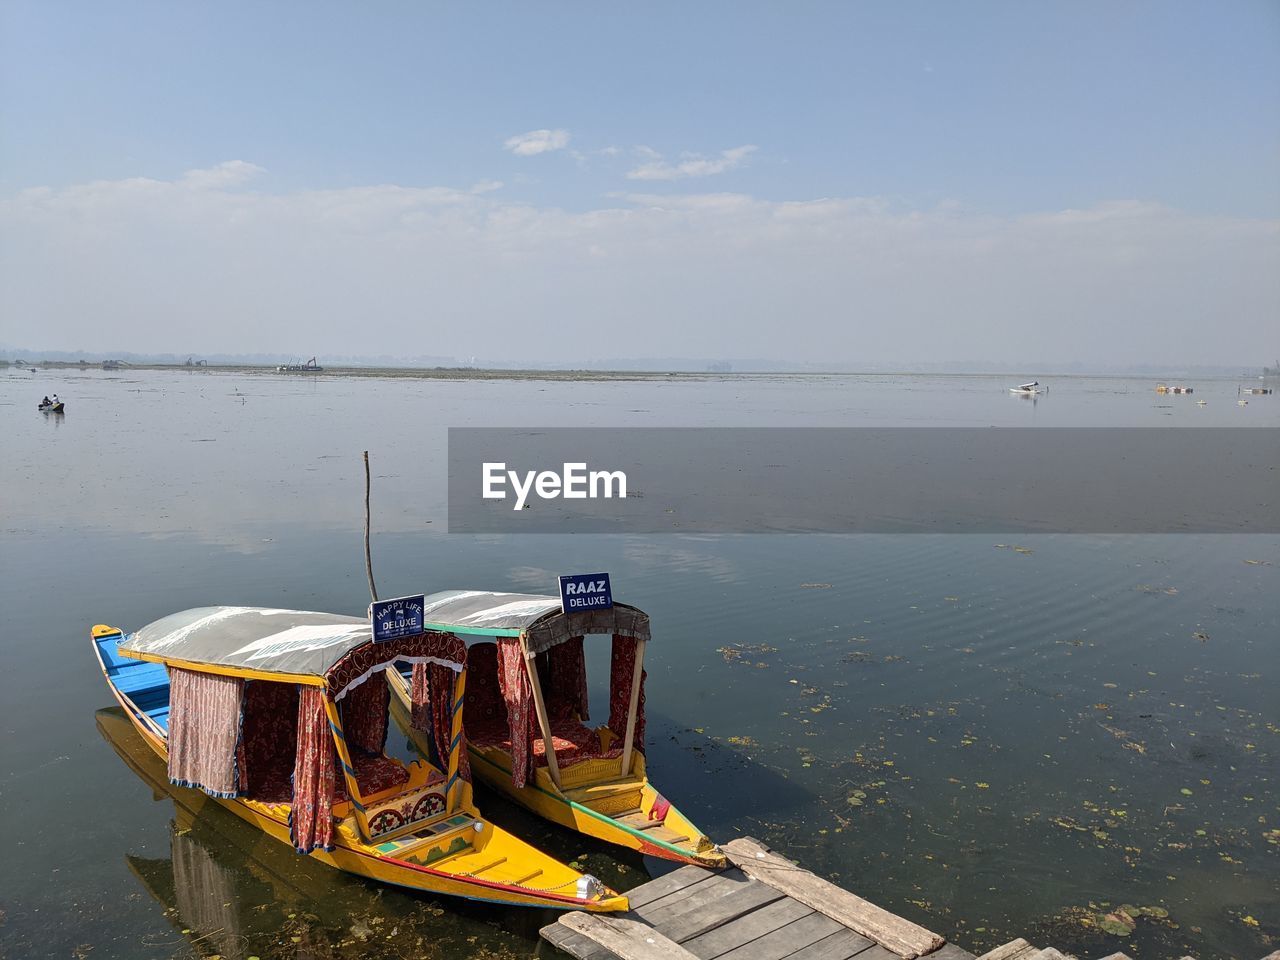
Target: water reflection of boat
point(533, 673)
point(218, 869)
point(269, 713)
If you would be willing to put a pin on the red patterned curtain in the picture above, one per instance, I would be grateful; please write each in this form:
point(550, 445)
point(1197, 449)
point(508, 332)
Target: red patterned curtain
point(433, 712)
point(513, 680)
point(311, 819)
point(364, 714)
point(205, 751)
point(622, 666)
point(566, 680)
point(269, 734)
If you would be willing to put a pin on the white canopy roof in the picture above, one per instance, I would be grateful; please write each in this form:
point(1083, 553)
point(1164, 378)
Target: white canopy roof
point(298, 643)
point(536, 617)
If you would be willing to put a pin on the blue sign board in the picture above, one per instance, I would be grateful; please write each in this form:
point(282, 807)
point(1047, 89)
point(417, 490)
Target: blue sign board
point(397, 618)
point(581, 592)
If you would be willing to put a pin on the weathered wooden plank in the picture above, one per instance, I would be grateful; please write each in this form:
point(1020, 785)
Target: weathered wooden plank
point(574, 944)
point(1051, 953)
point(786, 940)
point(626, 939)
point(906, 939)
point(697, 918)
point(1013, 950)
point(746, 928)
point(704, 891)
point(1116, 956)
point(841, 945)
point(1275, 955)
point(667, 884)
point(875, 952)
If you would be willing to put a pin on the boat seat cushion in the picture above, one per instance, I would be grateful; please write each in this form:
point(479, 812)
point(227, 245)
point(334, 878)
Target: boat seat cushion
point(574, 742)
point(374, 773)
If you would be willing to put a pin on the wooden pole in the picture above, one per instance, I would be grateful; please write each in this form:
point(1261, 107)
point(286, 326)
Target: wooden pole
point(348, 770)
point(629, 741)
point(454, 780)
point(548, 741)
point(368, 557)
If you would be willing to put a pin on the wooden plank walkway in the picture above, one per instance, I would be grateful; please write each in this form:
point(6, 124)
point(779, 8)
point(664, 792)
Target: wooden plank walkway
point(764, 907)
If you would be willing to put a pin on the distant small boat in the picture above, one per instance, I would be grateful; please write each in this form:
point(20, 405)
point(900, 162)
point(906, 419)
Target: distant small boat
point(1162, 388)
point(59, 407)
point(1028, 389)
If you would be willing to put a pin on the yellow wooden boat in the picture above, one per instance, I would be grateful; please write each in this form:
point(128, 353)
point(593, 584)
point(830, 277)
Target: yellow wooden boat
point(528, 687)
point(269, 712)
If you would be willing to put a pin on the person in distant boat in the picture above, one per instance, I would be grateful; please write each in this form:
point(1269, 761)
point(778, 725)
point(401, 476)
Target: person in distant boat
point(55, 398)
point(46, 402)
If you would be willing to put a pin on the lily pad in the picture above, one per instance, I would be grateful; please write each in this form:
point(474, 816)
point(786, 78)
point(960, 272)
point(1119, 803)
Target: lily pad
point(1117, 924)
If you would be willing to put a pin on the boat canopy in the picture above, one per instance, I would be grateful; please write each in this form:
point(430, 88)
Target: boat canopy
point(538, 619)
point(319, 649)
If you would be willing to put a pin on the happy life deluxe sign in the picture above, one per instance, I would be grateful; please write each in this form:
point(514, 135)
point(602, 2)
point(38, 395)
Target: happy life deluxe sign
point(401, 617)
point(580, 592)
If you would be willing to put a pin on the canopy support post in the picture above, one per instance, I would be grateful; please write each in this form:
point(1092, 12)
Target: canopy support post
point(453, 783)
point(348, 769)
point(629, 740)
point(548, 741)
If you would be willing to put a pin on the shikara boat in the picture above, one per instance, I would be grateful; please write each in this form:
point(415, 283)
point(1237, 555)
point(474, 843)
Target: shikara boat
point(528, 688)
point(270, 712)
point(59, 407)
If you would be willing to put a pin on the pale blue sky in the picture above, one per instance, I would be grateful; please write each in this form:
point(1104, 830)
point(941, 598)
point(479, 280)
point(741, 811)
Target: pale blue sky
point(978, 111)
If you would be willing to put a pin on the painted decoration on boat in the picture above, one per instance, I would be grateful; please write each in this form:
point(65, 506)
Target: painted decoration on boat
point(393, 619)
point(580, 592)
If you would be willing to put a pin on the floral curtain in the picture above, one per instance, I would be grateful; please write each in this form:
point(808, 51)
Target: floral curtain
point(364, 714)
point(513, 680)
point(621, 668)
point(432, 699)
point(565, 679)
point(311, 819)
point(205, 750)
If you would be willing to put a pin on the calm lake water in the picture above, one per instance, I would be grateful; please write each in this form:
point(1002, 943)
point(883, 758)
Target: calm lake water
point(995, 738)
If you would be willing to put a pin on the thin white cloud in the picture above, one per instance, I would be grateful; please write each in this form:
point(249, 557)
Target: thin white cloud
point(187, 265)
point(693, 165)
point(486, 186)
point(537, 141)
point(231, 173)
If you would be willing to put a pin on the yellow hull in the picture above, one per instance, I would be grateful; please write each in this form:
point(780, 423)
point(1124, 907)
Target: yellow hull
point(448, 862)
point(596, 800)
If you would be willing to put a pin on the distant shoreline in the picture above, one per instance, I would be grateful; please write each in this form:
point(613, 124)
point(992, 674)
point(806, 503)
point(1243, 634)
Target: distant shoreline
point(497, 373)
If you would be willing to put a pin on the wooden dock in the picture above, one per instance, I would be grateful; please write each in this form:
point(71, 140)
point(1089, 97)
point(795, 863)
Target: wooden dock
point(763, 907)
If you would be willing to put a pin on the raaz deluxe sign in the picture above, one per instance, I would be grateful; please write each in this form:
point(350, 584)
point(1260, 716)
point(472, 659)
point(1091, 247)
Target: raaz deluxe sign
point(581, 592)
point(401, 617)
